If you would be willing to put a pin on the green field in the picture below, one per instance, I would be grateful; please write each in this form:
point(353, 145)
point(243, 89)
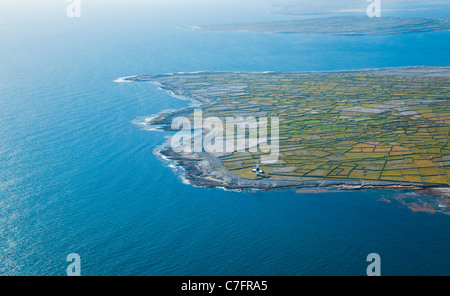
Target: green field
point(371, 125)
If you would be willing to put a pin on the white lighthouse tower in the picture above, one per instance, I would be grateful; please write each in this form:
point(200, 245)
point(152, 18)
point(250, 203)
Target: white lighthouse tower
point(257, 170)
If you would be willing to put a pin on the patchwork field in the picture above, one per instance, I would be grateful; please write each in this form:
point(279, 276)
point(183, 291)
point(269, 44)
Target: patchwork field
point(386, 125)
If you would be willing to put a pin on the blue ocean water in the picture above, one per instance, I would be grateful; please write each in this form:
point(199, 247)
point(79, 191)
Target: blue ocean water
point(77, 176)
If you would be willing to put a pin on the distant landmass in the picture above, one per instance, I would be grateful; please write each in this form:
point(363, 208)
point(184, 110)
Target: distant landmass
point(347, 25)
point(316, 7)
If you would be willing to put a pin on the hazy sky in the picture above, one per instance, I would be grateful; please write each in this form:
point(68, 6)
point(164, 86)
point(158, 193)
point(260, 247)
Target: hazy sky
point(327, 6)
point(188, 12)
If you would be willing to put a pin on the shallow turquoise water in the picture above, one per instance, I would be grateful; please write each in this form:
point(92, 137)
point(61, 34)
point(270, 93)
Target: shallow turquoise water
point(77, 176)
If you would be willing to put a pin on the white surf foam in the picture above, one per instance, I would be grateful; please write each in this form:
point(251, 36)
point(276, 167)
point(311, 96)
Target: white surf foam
point(123, 79)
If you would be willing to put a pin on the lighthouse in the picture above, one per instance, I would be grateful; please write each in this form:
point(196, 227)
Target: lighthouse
point(257, 170)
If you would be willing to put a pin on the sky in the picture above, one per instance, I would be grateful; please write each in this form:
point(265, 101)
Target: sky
point(327, 6)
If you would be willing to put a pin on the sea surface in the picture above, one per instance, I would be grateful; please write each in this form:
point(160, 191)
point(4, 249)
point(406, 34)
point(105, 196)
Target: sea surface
point(78, 175)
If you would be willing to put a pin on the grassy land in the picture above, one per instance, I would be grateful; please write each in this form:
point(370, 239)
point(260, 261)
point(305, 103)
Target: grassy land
point(337, 126)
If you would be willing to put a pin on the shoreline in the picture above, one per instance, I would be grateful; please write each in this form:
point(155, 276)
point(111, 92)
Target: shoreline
point(334, 25)
point(163, 120)
point(206, 170)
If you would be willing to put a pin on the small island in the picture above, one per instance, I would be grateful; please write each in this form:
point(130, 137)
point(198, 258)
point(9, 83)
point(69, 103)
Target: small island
point(344, 25)
point(387, 128)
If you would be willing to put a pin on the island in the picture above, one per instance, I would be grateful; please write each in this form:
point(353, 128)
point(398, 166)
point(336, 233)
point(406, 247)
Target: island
point(383, 128)
point(341, 25)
